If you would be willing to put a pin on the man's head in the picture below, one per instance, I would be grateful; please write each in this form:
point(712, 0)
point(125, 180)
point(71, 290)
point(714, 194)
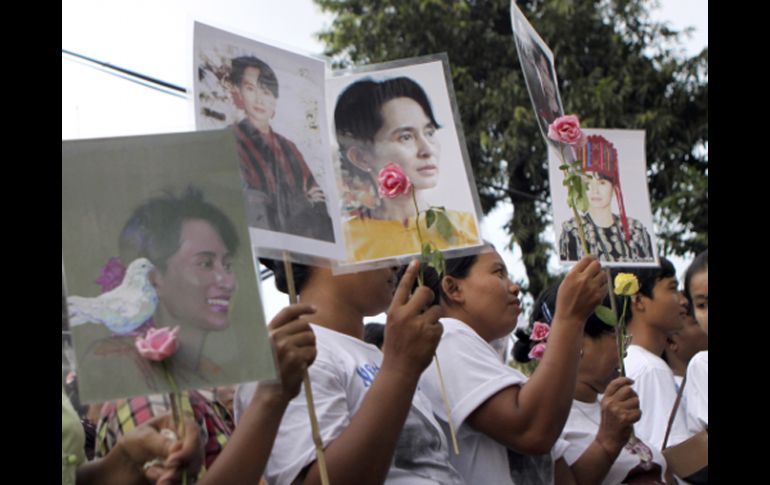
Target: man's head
point(659, 303)
point(683, 344)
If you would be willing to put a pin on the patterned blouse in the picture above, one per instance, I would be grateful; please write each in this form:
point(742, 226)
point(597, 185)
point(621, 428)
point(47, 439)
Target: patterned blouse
point(607, 242)
point(120, 417)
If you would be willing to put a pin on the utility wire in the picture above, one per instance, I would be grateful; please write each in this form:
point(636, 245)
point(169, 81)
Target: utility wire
point(129, 75)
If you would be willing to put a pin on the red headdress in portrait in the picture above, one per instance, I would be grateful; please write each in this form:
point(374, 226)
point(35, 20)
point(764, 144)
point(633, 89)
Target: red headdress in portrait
point(600, 156)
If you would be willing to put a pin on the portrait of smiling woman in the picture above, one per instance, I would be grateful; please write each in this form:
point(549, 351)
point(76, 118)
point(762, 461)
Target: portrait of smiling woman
point(191, 244)
point(156, 239)
point(388, 127)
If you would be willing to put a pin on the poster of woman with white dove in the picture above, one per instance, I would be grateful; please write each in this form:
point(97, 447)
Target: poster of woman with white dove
point(161, 283)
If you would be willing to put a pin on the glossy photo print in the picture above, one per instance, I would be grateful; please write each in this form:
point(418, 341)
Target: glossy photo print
point(401, 154)
point(155, 250)
point(537, 65)
point(618, 220)
point(273, 100)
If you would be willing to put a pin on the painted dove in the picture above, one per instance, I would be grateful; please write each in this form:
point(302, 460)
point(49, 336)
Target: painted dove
point(121, 309)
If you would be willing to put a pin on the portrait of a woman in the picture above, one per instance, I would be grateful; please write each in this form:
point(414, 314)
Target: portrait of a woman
point(282, 192)
point(191, 244)
point(612, 237)
point(391, 122)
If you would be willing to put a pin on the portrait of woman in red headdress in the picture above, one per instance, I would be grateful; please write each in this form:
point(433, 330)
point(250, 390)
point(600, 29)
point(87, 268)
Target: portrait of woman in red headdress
point(612, 237)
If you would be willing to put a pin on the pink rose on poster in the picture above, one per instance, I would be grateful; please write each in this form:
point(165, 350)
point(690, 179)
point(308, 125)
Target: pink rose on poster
point(158, 343)
point(392, 181)
point(537, 351)
point(566, 129)
point(540, 331)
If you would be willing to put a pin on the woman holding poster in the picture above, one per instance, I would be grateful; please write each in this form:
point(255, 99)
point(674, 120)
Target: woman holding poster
point(615, 238)
point(388, 128)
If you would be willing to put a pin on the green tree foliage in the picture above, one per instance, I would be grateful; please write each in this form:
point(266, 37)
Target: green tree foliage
point(616, 69)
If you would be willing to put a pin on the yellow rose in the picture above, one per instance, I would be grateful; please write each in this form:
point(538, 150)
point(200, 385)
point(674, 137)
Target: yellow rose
point(626, 284)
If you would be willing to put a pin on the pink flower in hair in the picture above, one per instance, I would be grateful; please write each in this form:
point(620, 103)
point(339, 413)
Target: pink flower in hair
point(537, 351)
point(540, 332)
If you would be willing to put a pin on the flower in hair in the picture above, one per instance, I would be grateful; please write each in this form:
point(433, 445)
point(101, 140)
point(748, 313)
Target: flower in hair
point(537, 351)
point(540, 332)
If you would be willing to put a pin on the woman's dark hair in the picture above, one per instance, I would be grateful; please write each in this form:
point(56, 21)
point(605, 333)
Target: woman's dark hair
point(543, 310)
point(698, 265)
point(374, 333)
point(300, 272)
point(456, 267)
point(266, 77)
point(154, 228)
point(358, 115)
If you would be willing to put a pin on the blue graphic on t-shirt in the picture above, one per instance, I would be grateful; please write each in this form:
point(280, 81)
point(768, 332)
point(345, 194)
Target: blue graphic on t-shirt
point(367, 372)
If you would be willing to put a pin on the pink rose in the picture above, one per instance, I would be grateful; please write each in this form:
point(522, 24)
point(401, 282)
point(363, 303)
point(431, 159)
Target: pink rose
point(158, 343)
point(540, 332)
point(566, 129)
point(537, 351)
point(392, 181)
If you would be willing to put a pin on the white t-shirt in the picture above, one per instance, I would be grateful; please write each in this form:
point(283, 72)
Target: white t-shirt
point(341, 374)
point(654, 383)
point(472, 373)
point(580, 431)
point(696, 393)
point(678, 381)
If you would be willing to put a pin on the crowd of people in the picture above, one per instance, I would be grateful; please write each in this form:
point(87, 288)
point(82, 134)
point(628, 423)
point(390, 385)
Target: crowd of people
point(391, 400)
point(379, 405)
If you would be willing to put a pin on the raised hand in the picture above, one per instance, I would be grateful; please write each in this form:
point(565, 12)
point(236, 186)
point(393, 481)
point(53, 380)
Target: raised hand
point(582, 290)
point(412, 331)
point(294, 344)
point(620, 410)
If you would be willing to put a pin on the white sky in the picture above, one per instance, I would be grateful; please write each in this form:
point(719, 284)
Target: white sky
point(155, 39)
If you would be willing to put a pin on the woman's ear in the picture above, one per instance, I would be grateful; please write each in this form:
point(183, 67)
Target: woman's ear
point(359, 157)
point(452, 289)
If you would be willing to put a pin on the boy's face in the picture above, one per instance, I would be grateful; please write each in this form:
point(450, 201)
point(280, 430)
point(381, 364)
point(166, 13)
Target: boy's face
point(667, 309)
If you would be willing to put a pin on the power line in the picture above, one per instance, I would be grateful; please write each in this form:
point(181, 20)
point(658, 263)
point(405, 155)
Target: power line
point(129, 75)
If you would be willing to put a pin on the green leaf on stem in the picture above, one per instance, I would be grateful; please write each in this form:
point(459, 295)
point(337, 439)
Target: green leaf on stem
point(606, 315)
point(583, 202)
point(437, 262)
point(430, 217)
point(564, 167)
point(444, 226)
point(425, 254)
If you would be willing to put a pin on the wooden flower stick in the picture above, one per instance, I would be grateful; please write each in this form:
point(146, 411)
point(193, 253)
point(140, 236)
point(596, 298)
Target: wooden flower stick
point(319, 449)
point(447, 409)
point(620, 334)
